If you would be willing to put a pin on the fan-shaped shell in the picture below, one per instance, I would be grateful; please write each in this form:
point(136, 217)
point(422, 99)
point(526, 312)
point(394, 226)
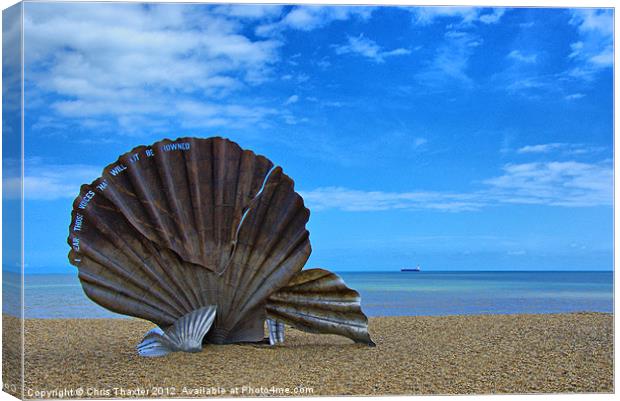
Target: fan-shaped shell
point(188, 223)
point(186, 334)
point(182, 225)
point(318, 301)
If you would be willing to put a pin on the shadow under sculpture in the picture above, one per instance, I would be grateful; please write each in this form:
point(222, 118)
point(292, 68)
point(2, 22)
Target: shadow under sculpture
point(207, 241)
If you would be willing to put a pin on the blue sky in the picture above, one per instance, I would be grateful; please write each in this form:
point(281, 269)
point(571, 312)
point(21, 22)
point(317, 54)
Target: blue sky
point(454, 138)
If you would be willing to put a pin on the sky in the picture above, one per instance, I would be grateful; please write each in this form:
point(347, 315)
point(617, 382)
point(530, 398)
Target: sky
point(453, 138)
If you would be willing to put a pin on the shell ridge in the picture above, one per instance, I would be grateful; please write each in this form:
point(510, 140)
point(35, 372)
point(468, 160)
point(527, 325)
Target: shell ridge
point(116, 291)
point(138, 285)
point(137, 183)
point(98, 223)
point(309, 275)
point(319, 308)
point(104, 282)
point(276, 270)
point(235, 273)
point(152, 207)
point(292, 248)
point(213, 189)
point(187, 333)
point(320, 302)
point(290, 243)
point(193, 207)
point(130, 306)
point(103, 260)
point(163, 257)
point(238, 199)
point(328, 285)
point(300, 325)
point(92, 274)
point(170, 189)
point(226, 241)
point(261, 212)
point(196, 202)
point(218, 179)
point(230, 158)
point(331, 298)
point(250, 205)
point(154, 344)
point(162, 181)
point(281, 274)
point(257, 223)
point(226, 303)
point(166, 257)
point(121, 244)
point(164, 220)
point(185, 300)
point(347, 327)
point(337, 319)
point(223, 154)
point(166, 185)
point(284, 222)
point(249, 185)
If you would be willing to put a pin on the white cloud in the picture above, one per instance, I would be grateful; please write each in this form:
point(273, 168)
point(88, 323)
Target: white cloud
point(594, 20)
point(360, 201)
point(452, 59)
point(419, 142)
point(11, 66)
point(324, 63)
point(519, 252)
point(464, 15)
point(565, 148)
point(161, 46)
point(576, 49)
point(570, 184)
point(332, 103)
point(205, 114)
point(524, 58)
point(292, 99)
point(604, 58)
point(368, 48)
point(249, 11)
point(493, 17)
point(574, 96)
point(594, 50)
point(563, 184)
point(529, 86)
point(589, 54)
point(50, 181)
point(308, 18)
point(117, 60)
point(544, 148)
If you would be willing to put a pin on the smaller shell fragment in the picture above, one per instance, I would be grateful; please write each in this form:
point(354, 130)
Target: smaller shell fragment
point(276, 331)
point(185, 334)
point(318, 301)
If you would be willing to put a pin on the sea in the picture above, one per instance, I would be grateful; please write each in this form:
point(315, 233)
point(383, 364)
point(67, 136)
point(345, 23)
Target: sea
point(430, 293)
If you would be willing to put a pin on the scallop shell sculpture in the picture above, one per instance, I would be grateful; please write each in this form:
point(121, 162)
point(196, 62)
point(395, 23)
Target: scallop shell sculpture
point(207, 241)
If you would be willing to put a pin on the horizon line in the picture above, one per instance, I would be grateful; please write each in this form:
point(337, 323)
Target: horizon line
point(388, 271)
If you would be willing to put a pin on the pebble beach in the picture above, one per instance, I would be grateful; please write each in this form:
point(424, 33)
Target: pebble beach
point(479, 354)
